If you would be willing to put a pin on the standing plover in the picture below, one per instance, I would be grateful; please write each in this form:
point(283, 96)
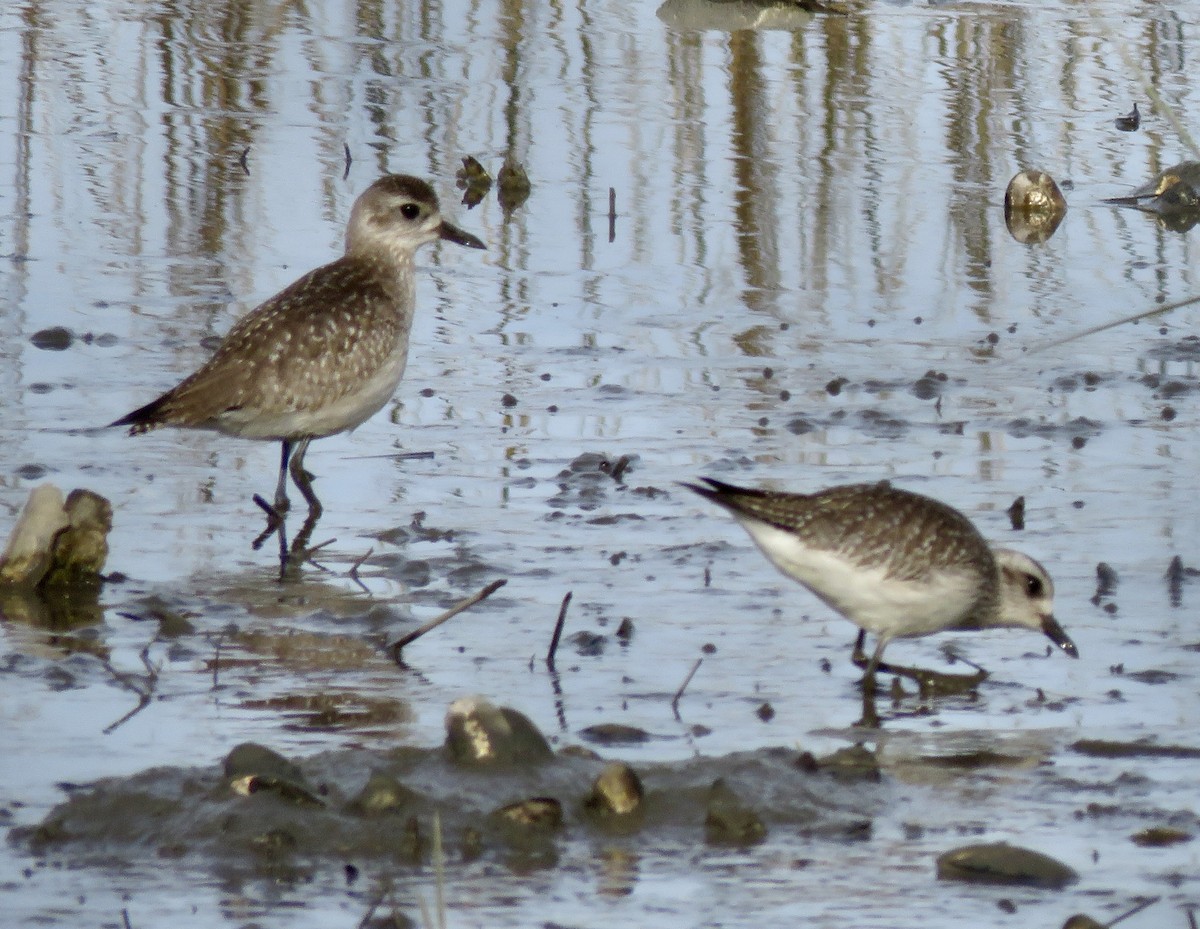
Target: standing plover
point(325, 353)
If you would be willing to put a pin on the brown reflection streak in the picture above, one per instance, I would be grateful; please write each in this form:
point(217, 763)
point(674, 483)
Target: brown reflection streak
point(756, 192)
point(973, 119)
point(212, 58)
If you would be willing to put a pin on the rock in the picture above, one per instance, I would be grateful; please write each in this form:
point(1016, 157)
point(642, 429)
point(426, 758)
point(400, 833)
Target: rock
point(289, 791)
point(853, 763)
point(252, 758)
point(513, 187)
point(615, 734)
point(82, 548)
point(1033, 207)
point(382, 795)
point(480, 733)
point(57, 542)
point(617, 791)
point(539, 814)
point(1001, 863)
point(27, 557)
point(728, 821)
point(254, 769)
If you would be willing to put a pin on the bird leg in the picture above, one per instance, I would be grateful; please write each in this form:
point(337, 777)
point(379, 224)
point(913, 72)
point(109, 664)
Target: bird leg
point(302, 479)
point(931, 683)
point(859, 657)
point(868, 679)
point(281, 497)
point(870, 716)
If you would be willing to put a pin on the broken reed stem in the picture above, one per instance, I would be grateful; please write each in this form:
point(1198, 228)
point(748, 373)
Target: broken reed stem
point(558, 628)
point(682, 687)
point(398, 646)
point(1147, 314)
point(439, 871)
point(1137, 909)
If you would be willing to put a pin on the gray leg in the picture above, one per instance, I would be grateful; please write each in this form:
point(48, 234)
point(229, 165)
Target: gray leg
point(302, 479)
point(281, 499)
point(868, 681)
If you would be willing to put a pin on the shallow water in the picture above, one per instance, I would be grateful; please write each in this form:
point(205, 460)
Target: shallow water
point(807, 223)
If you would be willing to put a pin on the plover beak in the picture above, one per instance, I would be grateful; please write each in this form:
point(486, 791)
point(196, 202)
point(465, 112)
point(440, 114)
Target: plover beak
point(1058, 635)
point(453, 234)
point(1134, 200)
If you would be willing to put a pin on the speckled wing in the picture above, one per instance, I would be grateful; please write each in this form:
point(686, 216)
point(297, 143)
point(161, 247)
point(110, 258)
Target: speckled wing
point(872, 525)
point(303, 350)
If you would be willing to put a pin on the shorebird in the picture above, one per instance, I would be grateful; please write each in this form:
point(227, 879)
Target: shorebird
point(1173, 191)
point(895, 563)
point(325, 353)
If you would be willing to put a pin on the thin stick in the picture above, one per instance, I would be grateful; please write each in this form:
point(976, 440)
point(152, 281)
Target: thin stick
point(612, 214)
point(125, 919)
point(1137, 909)
point(362, 923)
point(398, 646)
point(130, 682)
point(358, 564)
point(216, 665)
point(439, 870)
point(1170, 307)
point(682, 687)
point(558, 628)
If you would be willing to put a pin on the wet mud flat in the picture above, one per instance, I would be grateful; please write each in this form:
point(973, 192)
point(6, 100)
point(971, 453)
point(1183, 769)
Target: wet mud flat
point(303, 664)
point(499, 819)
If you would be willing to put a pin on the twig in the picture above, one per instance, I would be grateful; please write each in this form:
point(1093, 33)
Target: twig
point(1149, 901)
point(358, 564)
point(439, 870)
point(144, 690)
point(398, 646)
point(682, 687)
point(378, 899)
point(1178, 304)
point(558, 628)
point(125, 919)
point(612, 214)
point(216, 664)
point(361, 561)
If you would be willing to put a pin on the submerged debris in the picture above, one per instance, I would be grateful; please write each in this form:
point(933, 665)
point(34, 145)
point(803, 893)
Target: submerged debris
point(1130, 121)
point(616, 792)
point(1001, 863)
point(50, 569)
point(729, 821)
point(473, 179)
point(1033, 207)
point(512, 185)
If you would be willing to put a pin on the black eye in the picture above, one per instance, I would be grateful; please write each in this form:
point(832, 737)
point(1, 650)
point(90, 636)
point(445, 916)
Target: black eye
point(1033, 586)
point(410, 211)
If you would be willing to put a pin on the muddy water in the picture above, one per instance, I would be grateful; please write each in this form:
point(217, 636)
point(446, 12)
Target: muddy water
point(808, 222)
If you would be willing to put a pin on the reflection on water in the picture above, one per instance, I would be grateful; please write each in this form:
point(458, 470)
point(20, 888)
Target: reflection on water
point(809, 282)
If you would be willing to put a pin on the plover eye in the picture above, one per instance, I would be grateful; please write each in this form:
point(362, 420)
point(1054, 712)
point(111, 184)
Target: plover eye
point(1033, 585)
point(410, 211)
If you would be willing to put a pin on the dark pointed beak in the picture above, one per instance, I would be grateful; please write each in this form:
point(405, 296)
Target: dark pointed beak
point(1058, 636)
point(453, 234)
point(1135, 200)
